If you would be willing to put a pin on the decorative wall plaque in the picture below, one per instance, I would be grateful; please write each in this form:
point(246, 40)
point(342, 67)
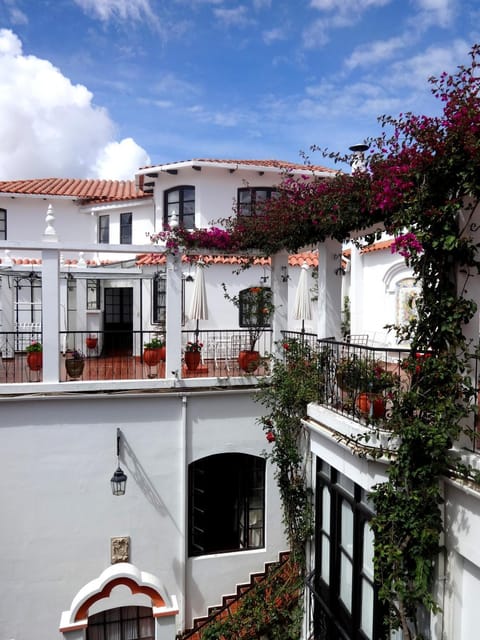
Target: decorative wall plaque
point(120, 549)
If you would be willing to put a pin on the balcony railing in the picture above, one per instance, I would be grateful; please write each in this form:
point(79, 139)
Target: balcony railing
point(119, 355)
point(356, 381)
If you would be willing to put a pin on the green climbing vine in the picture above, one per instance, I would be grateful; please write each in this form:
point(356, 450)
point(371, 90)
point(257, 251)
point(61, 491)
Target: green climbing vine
point(420, 183)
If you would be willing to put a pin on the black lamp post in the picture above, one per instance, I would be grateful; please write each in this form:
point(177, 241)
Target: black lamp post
point(119, 479)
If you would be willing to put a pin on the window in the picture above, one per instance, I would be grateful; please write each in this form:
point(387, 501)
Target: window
point(123, 623)
point(251, 199)
point(159, 300)
point(180, 201)
point(346, 606)
point(255, 305)
point(226, 503)
point(3, 224)
point(93, 294)
point(103, 229)
point(159, 306)
point(125, 228)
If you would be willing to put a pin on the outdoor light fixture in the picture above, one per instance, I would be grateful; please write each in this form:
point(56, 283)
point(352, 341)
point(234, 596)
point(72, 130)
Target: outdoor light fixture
point(119, 479)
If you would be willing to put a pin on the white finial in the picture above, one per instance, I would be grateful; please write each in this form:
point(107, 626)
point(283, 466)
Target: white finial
point(50, 235)
point(81, 264)
point(7, 261)
point(173, 219)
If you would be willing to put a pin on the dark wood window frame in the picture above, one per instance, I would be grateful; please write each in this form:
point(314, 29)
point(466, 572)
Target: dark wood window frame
point(122, 623)
point(159, 300)
point(3, 224)
point(248, 315)
point(126, 228)
point(332, 617)
point(183, 204)
point(226, 504)
point(249, 200)
point(104, 229)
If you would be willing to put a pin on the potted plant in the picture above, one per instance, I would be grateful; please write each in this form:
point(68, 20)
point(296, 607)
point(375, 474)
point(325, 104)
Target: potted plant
point(366, 380)
point(192, 354)
point(255, 310)
point(91, 342)
point(154, 351)
point(74, 363)
point(34, 356)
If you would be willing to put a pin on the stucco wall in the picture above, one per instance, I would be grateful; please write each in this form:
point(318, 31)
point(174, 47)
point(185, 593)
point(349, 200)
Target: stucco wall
point(57, 455)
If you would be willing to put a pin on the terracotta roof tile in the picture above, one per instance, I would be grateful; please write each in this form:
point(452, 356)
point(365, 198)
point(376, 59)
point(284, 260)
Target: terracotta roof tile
point(154, 259)
point(377, 246)
point(276, 164)
point(86, 190)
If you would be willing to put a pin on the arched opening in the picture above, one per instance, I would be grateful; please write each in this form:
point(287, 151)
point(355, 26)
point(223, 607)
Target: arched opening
point(122, 623)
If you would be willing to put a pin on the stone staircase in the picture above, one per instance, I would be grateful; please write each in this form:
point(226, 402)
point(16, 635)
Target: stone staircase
point(231, 602)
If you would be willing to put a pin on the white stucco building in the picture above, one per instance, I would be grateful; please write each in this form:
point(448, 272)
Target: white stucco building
point(201, 511)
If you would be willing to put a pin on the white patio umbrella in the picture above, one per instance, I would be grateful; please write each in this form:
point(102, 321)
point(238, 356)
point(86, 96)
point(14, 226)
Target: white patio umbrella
point(303, 304)
point(198, 306)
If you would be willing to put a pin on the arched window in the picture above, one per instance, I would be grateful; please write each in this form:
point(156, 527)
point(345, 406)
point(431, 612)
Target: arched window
point(122, 623)
point(406, 295)
point(226, 503)
point(180, 201)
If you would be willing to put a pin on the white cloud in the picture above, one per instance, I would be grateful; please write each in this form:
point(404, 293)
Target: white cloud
point(48, 126)
point(347, 6)
point(237, 17)
point(436, 12)
point(120, 160)
point(337, 14)
point(375, 52)
point(415, 71)
point(123, 9)
point(273, 35)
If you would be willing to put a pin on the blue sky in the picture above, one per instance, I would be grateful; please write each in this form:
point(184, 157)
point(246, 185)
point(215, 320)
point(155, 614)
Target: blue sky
point(98, 88)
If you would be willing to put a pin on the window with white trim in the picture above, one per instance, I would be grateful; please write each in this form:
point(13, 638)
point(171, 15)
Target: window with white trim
point(103, 229)
point(251, 199)
point(226, 503)
point(125, 228)
point(179, 204)
point(122, 623)
point(346, 604)
point(3, 224)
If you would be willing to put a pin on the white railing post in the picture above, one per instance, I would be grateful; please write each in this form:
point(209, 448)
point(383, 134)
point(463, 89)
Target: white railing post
point(174, 317)
point(50, 315)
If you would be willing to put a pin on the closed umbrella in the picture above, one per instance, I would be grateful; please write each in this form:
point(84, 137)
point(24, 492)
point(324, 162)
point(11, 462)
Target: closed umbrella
point(198, 305)
point(303, 303)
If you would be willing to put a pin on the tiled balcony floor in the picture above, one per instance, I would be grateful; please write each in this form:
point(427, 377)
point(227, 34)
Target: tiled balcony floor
point(16, 370)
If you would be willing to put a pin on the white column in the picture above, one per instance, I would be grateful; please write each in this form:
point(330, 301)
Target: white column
point(50, 315)
point(279, 282)
point(174, 317)
point(329, 290)
point(356, 291)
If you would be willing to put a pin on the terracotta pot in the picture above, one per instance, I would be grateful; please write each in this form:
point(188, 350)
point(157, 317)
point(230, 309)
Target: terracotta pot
point(74, 367)
point(248, 360)
point(192, 360)
point(371, 404)
point(151, 357)
point(91, 342)
point(35, 360)
point(163, 353)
